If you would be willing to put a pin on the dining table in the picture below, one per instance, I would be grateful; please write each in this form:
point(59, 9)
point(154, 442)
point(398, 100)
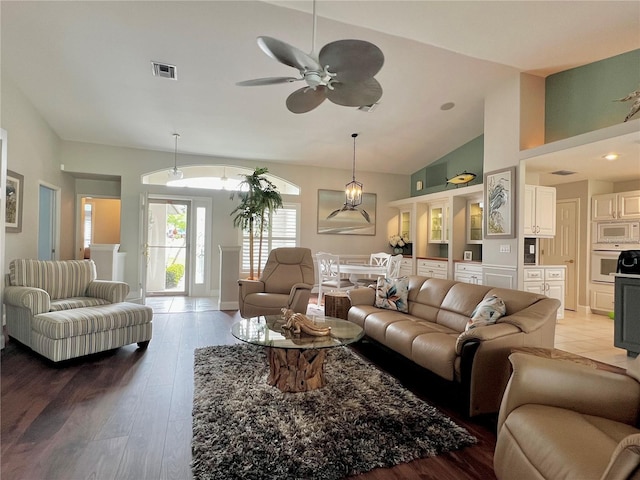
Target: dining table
point(358, 270)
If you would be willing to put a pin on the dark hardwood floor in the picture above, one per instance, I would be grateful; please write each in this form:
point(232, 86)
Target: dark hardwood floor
point(126, 414)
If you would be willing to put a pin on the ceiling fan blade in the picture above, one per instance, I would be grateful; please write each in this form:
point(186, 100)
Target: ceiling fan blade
point(365, 215)
point(256, 82)
point(352, 60)
point(287, 54)
point(367, 92)
point(306, 99)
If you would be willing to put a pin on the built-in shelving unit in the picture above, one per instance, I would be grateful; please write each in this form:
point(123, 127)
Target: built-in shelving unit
point(439, 227)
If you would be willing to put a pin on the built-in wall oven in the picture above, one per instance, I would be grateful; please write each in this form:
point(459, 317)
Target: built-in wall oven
point(604, 260)
point(603, 265)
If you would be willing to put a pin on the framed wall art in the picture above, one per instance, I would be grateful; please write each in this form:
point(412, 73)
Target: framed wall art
point(499, 201)
point(13, 210)
point(333, 218)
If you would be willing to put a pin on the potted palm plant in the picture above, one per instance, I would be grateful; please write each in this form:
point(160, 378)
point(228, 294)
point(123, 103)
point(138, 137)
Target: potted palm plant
point(258, 195)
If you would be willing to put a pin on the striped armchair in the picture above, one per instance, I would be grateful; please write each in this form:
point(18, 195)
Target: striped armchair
point(60, 310)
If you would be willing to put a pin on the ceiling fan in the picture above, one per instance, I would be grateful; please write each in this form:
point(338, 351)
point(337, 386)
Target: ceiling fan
point(343, 72)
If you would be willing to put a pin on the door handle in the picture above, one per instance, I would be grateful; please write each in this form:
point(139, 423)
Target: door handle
point(569, 261)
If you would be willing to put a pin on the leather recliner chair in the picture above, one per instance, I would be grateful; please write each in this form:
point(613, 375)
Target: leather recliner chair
point(563, 420)
point(286, 282)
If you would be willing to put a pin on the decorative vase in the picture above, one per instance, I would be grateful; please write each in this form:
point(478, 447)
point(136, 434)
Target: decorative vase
point(397, 250)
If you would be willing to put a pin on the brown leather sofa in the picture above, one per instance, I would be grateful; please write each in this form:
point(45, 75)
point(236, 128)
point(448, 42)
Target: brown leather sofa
point(432, 333)
point(562, 420)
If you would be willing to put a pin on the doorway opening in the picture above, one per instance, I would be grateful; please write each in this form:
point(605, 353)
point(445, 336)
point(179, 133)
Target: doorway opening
point(99, 223)
point(167, 249)
point(48, 221)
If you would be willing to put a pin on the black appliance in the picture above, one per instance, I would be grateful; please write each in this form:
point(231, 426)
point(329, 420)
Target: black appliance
point(629, 262)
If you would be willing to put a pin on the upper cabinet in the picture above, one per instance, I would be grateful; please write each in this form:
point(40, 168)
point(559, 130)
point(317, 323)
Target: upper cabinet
point(616, 206)
point(439, 222)
point(474, 221)
point(405, 224)
point(539, 211)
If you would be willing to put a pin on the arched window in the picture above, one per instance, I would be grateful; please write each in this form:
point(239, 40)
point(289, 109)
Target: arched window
point(214, 177)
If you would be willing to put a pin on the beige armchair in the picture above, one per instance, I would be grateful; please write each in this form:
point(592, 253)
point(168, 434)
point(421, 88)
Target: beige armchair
point(286, 281)
point(560, 419)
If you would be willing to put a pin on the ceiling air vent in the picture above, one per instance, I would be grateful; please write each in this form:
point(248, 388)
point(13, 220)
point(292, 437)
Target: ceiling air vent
point(164, 70)
point(563, 172)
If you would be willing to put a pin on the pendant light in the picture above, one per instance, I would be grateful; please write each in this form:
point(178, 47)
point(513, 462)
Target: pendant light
point(175, 173)
point(224, 178)
point(353, 189)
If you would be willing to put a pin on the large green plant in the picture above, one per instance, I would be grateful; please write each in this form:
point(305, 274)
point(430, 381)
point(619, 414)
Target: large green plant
point(257, 196)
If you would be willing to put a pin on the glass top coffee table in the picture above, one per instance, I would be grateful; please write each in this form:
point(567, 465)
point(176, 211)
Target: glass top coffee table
point(296, 360)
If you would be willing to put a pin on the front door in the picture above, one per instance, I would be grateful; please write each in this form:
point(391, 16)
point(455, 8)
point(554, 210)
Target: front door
point(167, 249)
point(563, 248)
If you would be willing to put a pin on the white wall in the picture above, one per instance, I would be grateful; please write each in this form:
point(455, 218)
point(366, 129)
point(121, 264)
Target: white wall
point(33, 150)
point(131, 164)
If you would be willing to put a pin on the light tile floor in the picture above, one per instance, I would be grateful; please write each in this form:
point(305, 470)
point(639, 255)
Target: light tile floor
point(587, 334)
point(591, 336)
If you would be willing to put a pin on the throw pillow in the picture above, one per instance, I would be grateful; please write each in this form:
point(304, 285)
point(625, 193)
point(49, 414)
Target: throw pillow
point(392, 293)
point(488, 311)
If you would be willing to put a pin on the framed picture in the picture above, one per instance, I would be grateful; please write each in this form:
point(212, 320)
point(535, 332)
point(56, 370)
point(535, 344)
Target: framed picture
point(13, 210)
point(468, 255)
point(334, 218)
point(499, 201)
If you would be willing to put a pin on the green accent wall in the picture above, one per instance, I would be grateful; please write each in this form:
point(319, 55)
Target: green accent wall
point(469, 157)
point(581, 99)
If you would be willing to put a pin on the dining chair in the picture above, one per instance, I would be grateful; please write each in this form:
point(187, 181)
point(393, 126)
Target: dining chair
point(329, 276)
point(381, 259)
point(393, 266)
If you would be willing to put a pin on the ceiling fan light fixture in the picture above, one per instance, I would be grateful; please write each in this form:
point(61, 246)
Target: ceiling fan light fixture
point(175, 173)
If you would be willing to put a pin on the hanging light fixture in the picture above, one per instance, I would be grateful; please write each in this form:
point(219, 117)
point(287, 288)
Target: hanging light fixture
point(352, 192)
point(224, 178)
point(353, 189)
point(175, 173)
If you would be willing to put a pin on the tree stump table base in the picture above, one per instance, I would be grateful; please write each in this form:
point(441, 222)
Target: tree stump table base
point(293, 370)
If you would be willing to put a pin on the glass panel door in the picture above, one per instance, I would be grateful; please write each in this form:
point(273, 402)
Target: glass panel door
point(474, 225)
point(436, 233)
point(167, 247)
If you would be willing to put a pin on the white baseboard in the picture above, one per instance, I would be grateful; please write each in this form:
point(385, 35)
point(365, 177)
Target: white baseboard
point(228, 305)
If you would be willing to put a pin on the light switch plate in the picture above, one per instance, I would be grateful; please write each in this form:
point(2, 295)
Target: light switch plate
point(505, 248)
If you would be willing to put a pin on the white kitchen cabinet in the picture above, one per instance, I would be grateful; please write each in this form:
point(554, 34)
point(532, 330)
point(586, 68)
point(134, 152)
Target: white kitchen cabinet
point(432, 268)
point(602, 298)
point(404, 228)
point(547, 280)
point(406, 267)
point(439, 222)
point(468, 273)
point(616, 206)
point(539, 211)
point(474, 221)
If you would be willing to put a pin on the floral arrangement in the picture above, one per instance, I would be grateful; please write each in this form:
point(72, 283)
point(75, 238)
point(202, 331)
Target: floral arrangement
point(398, 240)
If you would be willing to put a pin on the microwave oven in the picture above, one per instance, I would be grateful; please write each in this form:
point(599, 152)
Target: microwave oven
point(617, 232)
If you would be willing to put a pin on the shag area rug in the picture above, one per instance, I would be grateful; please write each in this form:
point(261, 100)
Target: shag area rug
point(362, 419)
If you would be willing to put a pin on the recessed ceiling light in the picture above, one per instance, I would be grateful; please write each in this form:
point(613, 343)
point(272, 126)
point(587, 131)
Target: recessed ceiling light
point(611, 156)
point(447, 106)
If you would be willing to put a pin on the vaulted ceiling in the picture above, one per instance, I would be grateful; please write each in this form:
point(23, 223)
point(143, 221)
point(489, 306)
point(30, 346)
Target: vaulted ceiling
point(86, 67)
